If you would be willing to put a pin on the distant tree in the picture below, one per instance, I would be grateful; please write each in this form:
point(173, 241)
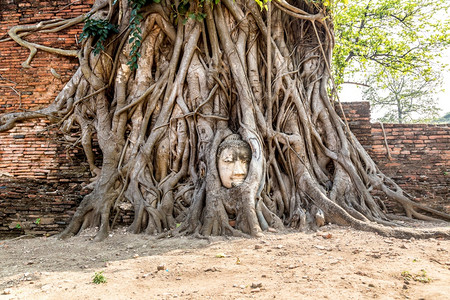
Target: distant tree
point(443, 120)
point(382, 40)
point(405, 99)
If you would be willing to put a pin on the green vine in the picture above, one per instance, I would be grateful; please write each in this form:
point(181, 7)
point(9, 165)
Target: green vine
point(99, 30)
point(182, 10)
point(135, 40)
point(136, 32)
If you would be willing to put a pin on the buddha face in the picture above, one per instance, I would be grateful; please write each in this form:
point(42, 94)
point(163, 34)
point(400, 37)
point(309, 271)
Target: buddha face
point(233, 160)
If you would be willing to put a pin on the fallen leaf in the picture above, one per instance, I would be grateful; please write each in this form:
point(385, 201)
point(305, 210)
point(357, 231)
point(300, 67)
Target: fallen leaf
point(221, 255)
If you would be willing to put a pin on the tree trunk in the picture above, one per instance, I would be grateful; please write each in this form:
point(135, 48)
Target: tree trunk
point(220, 72)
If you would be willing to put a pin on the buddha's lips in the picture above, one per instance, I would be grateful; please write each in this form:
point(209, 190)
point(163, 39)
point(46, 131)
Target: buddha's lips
point(237, 180)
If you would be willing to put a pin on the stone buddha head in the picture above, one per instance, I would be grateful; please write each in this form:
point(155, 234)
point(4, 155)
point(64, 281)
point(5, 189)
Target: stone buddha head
point(233, 159)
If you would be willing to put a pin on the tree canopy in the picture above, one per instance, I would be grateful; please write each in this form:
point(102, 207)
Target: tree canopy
point(379, 42)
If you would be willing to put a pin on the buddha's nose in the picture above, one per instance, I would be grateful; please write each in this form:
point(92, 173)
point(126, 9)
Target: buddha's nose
point(239, 168)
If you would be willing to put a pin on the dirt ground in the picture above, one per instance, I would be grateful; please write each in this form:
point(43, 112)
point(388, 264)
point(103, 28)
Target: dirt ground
point(335, 263)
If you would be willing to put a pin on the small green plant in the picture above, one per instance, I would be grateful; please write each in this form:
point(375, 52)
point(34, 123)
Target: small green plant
point(420, 277)
point(99, 278)
point(406, 275)
point(18, 226)
point(38, 221)
point(183, 11)
point(100, 30)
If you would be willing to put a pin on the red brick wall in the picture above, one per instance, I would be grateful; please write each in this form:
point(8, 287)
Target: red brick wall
point(420, 154)
point(36, 85)
point(420, 159)
point(40, 173)
point(26, 151)
point(36, 207)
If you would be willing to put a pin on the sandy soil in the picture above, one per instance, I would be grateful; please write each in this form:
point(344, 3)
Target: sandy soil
point(335, 263)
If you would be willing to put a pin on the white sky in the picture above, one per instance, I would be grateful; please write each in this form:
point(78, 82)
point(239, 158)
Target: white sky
point(352, 92)
point(444, 97)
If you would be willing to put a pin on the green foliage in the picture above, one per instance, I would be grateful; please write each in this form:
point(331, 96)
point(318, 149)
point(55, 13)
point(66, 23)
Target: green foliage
point(99, 30)
point(406, 275)
point(262, 3)
point(183, 7)
point(136, 32)
point(99, 278)
point(197, 16)
point(420, 277)
point(395, 36)
point(18, 226)
point(378, 41)
point(334, 6)
point(183, 10)
point(38, 221)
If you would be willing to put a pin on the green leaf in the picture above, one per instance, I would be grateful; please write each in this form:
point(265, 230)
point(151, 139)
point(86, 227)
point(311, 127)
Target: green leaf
point(379, 43)
point(183, 7)
point(201, 17)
